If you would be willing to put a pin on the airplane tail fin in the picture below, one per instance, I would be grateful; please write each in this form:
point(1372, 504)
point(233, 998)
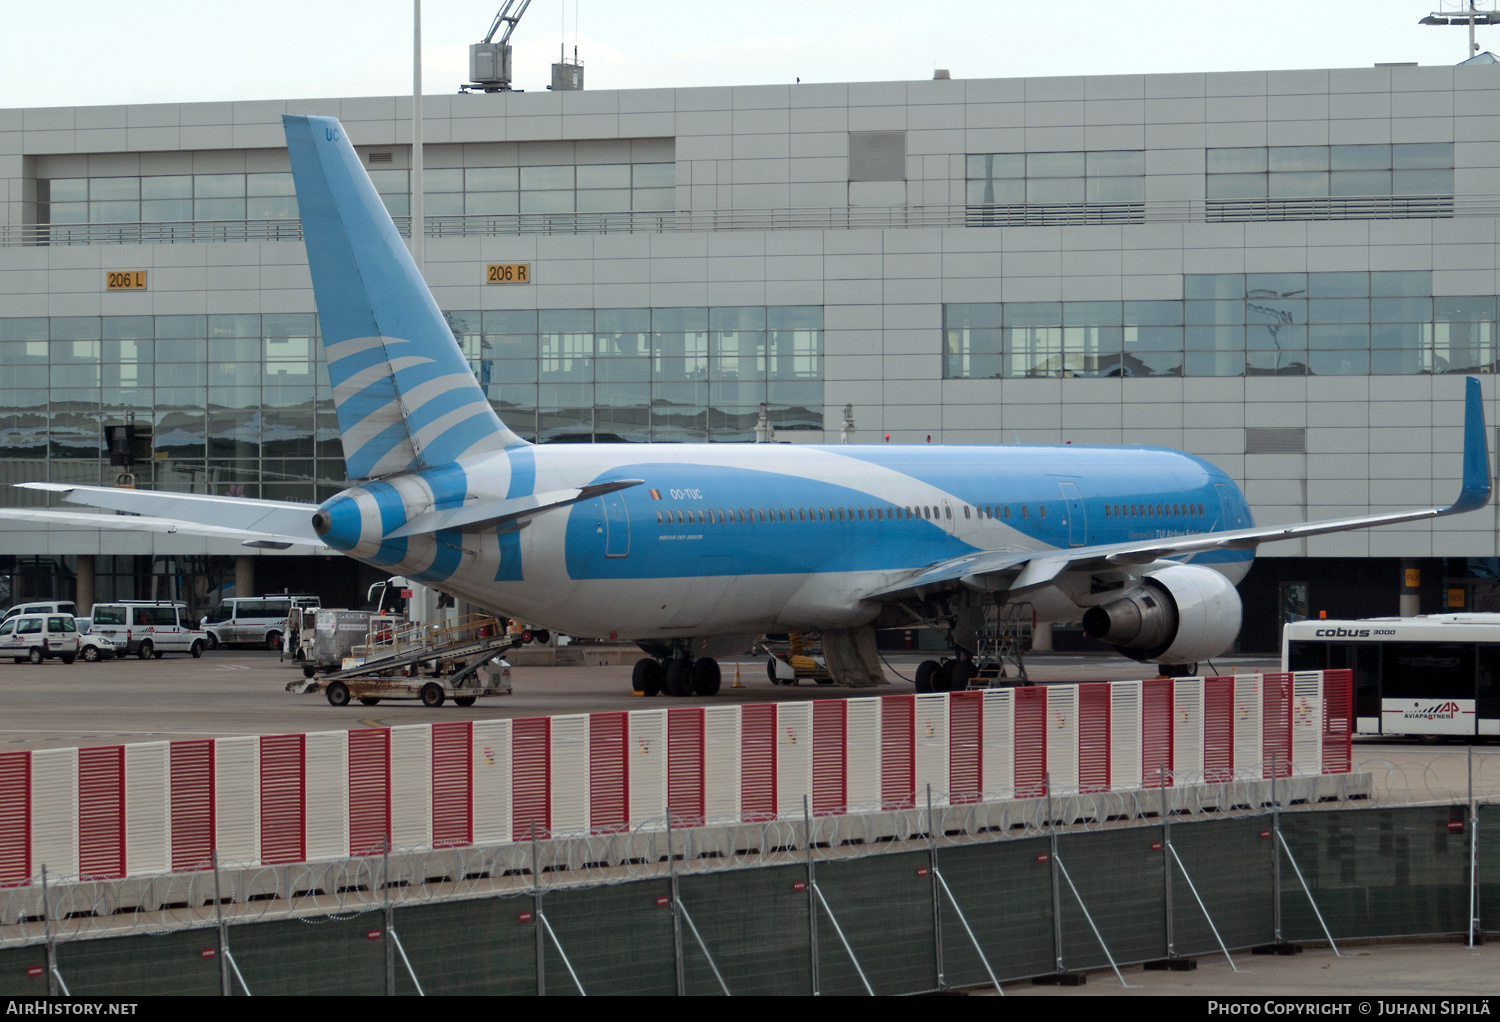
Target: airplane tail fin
point(405, 395)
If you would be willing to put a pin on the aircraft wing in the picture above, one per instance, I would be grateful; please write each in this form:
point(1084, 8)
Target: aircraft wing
point(1021, 571)
point(263, 524)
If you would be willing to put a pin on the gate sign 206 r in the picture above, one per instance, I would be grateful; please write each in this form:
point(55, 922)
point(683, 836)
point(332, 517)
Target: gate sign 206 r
point(508, 273)
point(125, 280)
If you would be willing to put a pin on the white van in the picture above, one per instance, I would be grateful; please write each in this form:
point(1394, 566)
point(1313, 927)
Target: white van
point(148, 629)
point(43, 607)
point(253, 620)
point(38, 637)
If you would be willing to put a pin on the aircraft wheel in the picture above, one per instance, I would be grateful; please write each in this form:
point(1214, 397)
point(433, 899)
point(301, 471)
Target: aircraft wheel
point(927, 672)
point(960, 671)
point(646, 678)
point(706, 676)
point(679, 680)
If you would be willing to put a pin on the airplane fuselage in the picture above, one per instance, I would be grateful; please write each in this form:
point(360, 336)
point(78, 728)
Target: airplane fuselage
point(745, 539)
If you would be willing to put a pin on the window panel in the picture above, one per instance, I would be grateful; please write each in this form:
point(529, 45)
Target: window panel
point(1116, 189)
point(1052, 190)
point(1422, 182)
point(1301, 184)
point(1297, 158)
point(1237, 186)
point(1338, 285)
point(547, 202)
point(1360, 182)
point(71, 189)
point(391, 182)
point(1288, 362)
point(277, 184)
point(609, 175)
point(218, 209)
point(114, 212)
point(1339, 363)
point(1214, 363)
point(494, 203)
point(1360, 157)
point(437, 180)
point(1422, 156)
point(1338, 310)
point(1401, 283)
point(114, 188)
point(75, 328)
point(131, 328)
point(271, 208)
point(1215, 338)
point(163, 210)
point(1054, 165)
point(1154, 338)
point(1326, 336)
point(492, 179)
point(443, 204)
point(604, 201)
point(546, 178)
point(1005, 191)
point(218, 186)
point(172, 187)
point(1401, 310)
point(653, 200)
point(653, 175)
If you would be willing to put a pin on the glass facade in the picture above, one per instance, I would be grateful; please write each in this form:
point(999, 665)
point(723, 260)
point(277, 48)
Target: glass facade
point(241, 403)
point(1282, 324)
point(447, 192)
point(1043, 178)
point(1321, 171)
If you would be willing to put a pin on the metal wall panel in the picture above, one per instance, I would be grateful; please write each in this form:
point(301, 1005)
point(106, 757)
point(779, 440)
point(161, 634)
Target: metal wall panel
point(191, 780)
point(54, 812)
point(1125, 735)
point(1030, 748)
point(1218, 729)
point(721, 764)
point(648, 767)
point(452, 756)
point(898, 761)
point(685, 766)
point(1158, 725)
point(793, 757)
point(568, 781)
point(1307, 723)
point(369, 790)
point(1187, 730)
point(15, 818)
point(930, 749)
point(101, 812)
point(1338, 720)
point(1248, 728)
point(147, 798)
point(862, 773)
point(326, 759)
point(491, 780)
point(829, 744)
point(1276, 744)
point(237, 800)
point(411, 786)
point(965, 746)
point(609, 773)
point(998, 758)
point(1062, 738)
point(758, 762)
point(283, 837)
point(1094, 737)
point(531, 775)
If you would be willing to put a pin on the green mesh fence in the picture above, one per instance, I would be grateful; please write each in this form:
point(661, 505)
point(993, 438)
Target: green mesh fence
point(185, 962)
point(1372, 873)
point(1376, 873)
point(1005, 892)
point(16, 965)
point(1119, 878)
point(1229, 863)
point(754, 924)
point(326, 955)
point(1488, 855)
point(468, 947)
point(618, 939)
point(884, 906)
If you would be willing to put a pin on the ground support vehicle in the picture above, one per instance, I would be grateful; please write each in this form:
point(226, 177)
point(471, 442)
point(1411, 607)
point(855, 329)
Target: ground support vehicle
point(328, 637)
point(458, 660)
point(93, 647)
point(39, 637)
point(149, 628)
point(253, 620)
point(795, 660)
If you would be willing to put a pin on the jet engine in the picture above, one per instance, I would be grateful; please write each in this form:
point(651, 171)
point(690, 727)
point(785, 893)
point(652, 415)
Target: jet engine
point(1178, 615)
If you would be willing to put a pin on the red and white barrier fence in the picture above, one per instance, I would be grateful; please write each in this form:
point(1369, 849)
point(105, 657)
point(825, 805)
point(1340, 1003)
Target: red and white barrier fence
point(163, 807)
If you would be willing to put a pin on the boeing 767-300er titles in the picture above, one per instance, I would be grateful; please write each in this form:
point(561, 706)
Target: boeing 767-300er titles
point(694, 551)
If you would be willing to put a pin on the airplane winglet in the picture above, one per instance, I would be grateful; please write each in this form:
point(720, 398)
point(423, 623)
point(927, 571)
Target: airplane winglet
point(1476, 485)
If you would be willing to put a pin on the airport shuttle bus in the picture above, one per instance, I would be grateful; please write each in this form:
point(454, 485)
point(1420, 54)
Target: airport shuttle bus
point(1431, 677)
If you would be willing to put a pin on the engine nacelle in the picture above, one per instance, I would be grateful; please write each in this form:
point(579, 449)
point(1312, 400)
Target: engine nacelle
point(1178, 615)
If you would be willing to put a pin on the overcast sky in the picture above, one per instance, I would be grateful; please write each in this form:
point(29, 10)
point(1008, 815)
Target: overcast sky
point(82, 52)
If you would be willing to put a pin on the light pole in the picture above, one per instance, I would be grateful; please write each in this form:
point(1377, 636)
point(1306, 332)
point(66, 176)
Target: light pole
point(1469, 15)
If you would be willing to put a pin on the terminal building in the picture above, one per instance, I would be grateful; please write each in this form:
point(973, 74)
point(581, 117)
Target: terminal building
point(1288, 273)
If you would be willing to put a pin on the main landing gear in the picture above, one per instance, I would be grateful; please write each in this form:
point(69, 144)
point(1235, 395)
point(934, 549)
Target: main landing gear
point(677, 675)
point(944, 675)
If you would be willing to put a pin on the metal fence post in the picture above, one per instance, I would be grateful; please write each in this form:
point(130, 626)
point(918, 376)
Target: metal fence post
point(50, 951)
point(1166, 861)
point(812, 893)
point(676, 914)
point(390, 922)
point(225, 989)
point(1473, 855)
point(1057, 932)
point(937, 910)
point(1276, 853)
point(536, 917)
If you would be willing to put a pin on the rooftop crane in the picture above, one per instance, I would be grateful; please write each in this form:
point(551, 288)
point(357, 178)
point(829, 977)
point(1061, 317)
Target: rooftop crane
point(489, 62)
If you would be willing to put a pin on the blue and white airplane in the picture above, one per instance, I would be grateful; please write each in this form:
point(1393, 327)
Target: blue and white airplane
point(694, 551)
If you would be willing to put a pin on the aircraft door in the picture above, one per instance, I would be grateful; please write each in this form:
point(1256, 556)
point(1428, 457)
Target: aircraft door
point(616, 525)
point(948, 516)
point(1078, 522)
